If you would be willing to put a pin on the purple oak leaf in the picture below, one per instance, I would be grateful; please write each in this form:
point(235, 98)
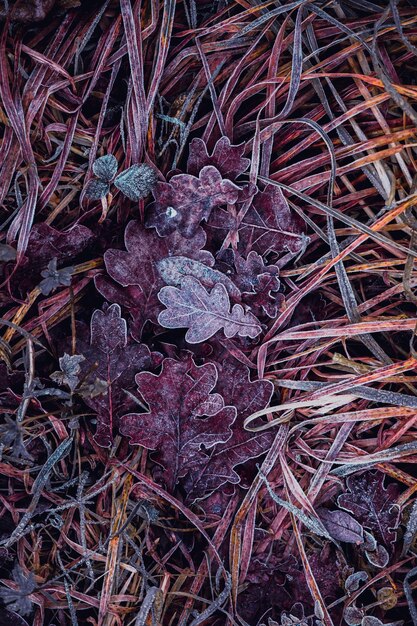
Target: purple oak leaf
point(235, 386)
point(173, 270)
point(265, 301)
point(184, 202)
point(281, 582)
point(129, 298)
point(341, 526)
point(327, 567)
point(111, 358)
point(226, 158)
point(258, 283)
point(175, 426)
point(203, 313)
point(373, 505)
point(136, 270)
point(247, 271)
point(270, 226)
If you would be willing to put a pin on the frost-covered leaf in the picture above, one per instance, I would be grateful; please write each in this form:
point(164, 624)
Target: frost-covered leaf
point(249, 270)
point(341, 526)
point(110, 357)
point(70, 369)
point(270, 225)
point(17, 599)
point(265, 300)
point(11, 436)
point(282, 583)
point(46, 242)
point(175, 426)
point(352, 616)
point(353, 581)
point(370, 542)
point(136, 182)
point(130, 298)
point(53, 277)
point(258, 282)
point(294, 617)
point(235, 386)
point(105, 167)
point(228, 159)
point(378, 557)
point(173, 270)
point(372, 504)
point(370, 620)
point(203, 313)
point(135, 269)
point(96, 189)
point(186, 201)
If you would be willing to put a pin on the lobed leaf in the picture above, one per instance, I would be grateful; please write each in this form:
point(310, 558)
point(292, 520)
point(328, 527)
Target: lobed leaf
point(226, 158)
point(174, 269)
point(247, 396)
point(186, 201)
point(373, 504)
point(203, 313)
point(258, 283)
point(111, 357)
point(270, 226)
point(175, 427)
point(135, 269)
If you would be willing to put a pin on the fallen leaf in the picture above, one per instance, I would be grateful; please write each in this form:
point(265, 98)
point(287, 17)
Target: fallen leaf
point(235, 386)
point(270, 225)
point(184, 202)
point(203, 313)
point(341, 526)
point(105, 167)
point(175, 427)
point(173, 270)
point(110, 357)
point(136, 270)
point(136, 182)
point(228, 159)
point(372, 504)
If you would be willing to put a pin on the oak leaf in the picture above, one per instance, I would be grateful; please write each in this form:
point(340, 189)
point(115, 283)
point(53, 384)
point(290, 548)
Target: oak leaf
point(111, 357)
point(184, 202)
point(373, 504)
point(175, 427)
point(191, 306)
